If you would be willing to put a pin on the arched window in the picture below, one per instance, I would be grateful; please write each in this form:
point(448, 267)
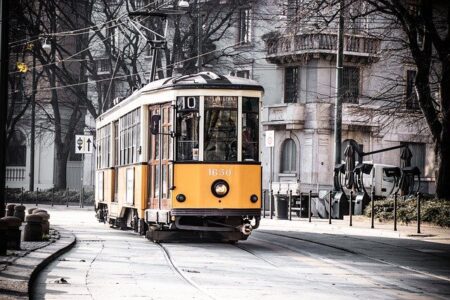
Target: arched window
point(288, 157)
point(17, 150)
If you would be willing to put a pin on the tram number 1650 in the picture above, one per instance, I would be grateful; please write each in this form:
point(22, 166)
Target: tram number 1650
point(219, 172)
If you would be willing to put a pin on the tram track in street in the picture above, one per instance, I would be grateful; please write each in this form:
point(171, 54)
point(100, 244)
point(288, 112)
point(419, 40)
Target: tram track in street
point(180, 272)
point(375, 281)
point(423, 273)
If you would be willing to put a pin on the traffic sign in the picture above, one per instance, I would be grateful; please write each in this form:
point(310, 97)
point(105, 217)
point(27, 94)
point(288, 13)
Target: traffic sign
point(84, 144)
point(270, 138)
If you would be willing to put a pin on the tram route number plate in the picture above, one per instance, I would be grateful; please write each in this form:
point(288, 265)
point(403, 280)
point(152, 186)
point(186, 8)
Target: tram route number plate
point(219, 172)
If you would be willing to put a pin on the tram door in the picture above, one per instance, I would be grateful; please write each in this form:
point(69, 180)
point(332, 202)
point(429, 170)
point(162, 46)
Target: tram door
point(161, 148)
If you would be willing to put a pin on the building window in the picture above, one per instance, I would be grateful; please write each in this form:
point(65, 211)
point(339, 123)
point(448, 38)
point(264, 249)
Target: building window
point(411, 96)
point(17, 150)
point(243, 74)
point(293, 7)
point(103, 65)
point(291, 85)
point(288, 157)
point(244, 26)
point(350, 84)
point(418, 155)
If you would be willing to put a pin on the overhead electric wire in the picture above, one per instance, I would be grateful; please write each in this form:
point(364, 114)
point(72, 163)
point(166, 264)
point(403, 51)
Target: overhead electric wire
point(72, 32)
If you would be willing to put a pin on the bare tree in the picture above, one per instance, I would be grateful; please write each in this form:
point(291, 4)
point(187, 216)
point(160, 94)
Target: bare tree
point(413, 32)
point(45, 19)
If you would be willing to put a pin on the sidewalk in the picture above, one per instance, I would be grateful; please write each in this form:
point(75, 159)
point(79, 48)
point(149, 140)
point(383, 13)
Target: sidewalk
point(361, 227)
point(19, 267)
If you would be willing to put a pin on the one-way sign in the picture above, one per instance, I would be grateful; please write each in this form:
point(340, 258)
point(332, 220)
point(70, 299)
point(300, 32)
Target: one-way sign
point(84, 144)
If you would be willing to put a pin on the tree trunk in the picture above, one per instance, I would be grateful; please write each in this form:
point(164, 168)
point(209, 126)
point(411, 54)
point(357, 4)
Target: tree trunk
point(60, 167)
point(443, 180)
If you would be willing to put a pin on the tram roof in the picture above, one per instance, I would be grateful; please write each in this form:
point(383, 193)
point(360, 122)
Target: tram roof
point(202, 80)
point(208, 80)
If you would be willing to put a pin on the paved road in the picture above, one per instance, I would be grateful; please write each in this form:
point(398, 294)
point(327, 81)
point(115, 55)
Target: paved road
point(112, 264)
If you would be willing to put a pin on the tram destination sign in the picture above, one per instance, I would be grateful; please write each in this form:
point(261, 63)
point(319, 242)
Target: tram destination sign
point(84, 144)
point(185, 104)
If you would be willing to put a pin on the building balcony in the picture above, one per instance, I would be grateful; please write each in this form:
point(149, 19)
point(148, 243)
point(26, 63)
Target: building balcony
point(16, 177)
point(290, 115)
point(288, 49)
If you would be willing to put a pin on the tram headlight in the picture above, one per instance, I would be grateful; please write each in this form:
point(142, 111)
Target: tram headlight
point(254, 198)
point(181, 198)
point(220, 188)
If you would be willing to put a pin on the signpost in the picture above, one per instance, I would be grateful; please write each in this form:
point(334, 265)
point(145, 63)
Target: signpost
point(270, 142)
point(84, 144)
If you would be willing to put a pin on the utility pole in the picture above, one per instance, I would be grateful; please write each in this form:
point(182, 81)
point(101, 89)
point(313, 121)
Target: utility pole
point(4, 61)
point(339, 77)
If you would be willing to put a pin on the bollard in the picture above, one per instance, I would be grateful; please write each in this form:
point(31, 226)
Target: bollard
point(13, 233)
point(309, 206)
point(418, 212)
point(45, 223)
point(395, 211)
point(290, 205)
point(3, 240)
point(10, 210)
point(300, 207)
point(37, 196)
point(19, 212)
point(372, 213)
point(271, 204)
point(350, 212)
point(264, 203)
point(329, 207)
point(6, 197)
point(33, 229)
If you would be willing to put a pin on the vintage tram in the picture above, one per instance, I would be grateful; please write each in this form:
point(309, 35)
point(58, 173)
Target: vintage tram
point(181, 157)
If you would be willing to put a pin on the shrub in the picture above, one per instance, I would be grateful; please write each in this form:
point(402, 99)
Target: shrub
point(48, 196)
point(434, 211)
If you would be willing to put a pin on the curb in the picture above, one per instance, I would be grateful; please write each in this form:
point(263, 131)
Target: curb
point(21, 274)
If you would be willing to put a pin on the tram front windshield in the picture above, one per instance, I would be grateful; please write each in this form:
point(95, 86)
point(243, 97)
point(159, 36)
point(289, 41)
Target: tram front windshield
point(220, 129)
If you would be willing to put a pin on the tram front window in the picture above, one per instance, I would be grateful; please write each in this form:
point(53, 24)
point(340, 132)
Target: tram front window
point(187, 128)
point(220, 142)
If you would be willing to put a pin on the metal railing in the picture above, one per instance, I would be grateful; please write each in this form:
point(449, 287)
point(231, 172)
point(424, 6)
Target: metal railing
point(323, 42)
point(301, 205)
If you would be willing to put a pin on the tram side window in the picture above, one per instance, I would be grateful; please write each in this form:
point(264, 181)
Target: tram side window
point(130, 137)
point(250, 129)
point(104, 148)
point(220, 128)
point(187, 128)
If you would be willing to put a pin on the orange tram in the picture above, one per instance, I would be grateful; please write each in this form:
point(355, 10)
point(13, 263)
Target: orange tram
point(180, 157)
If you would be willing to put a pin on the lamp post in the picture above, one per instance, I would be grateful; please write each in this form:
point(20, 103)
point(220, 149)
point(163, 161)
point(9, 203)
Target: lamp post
point(33, 121)
point(339, 77)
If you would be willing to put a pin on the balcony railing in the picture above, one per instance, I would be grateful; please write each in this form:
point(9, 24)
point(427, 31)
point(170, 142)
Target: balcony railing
point(15, 174)
point(321, 43)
